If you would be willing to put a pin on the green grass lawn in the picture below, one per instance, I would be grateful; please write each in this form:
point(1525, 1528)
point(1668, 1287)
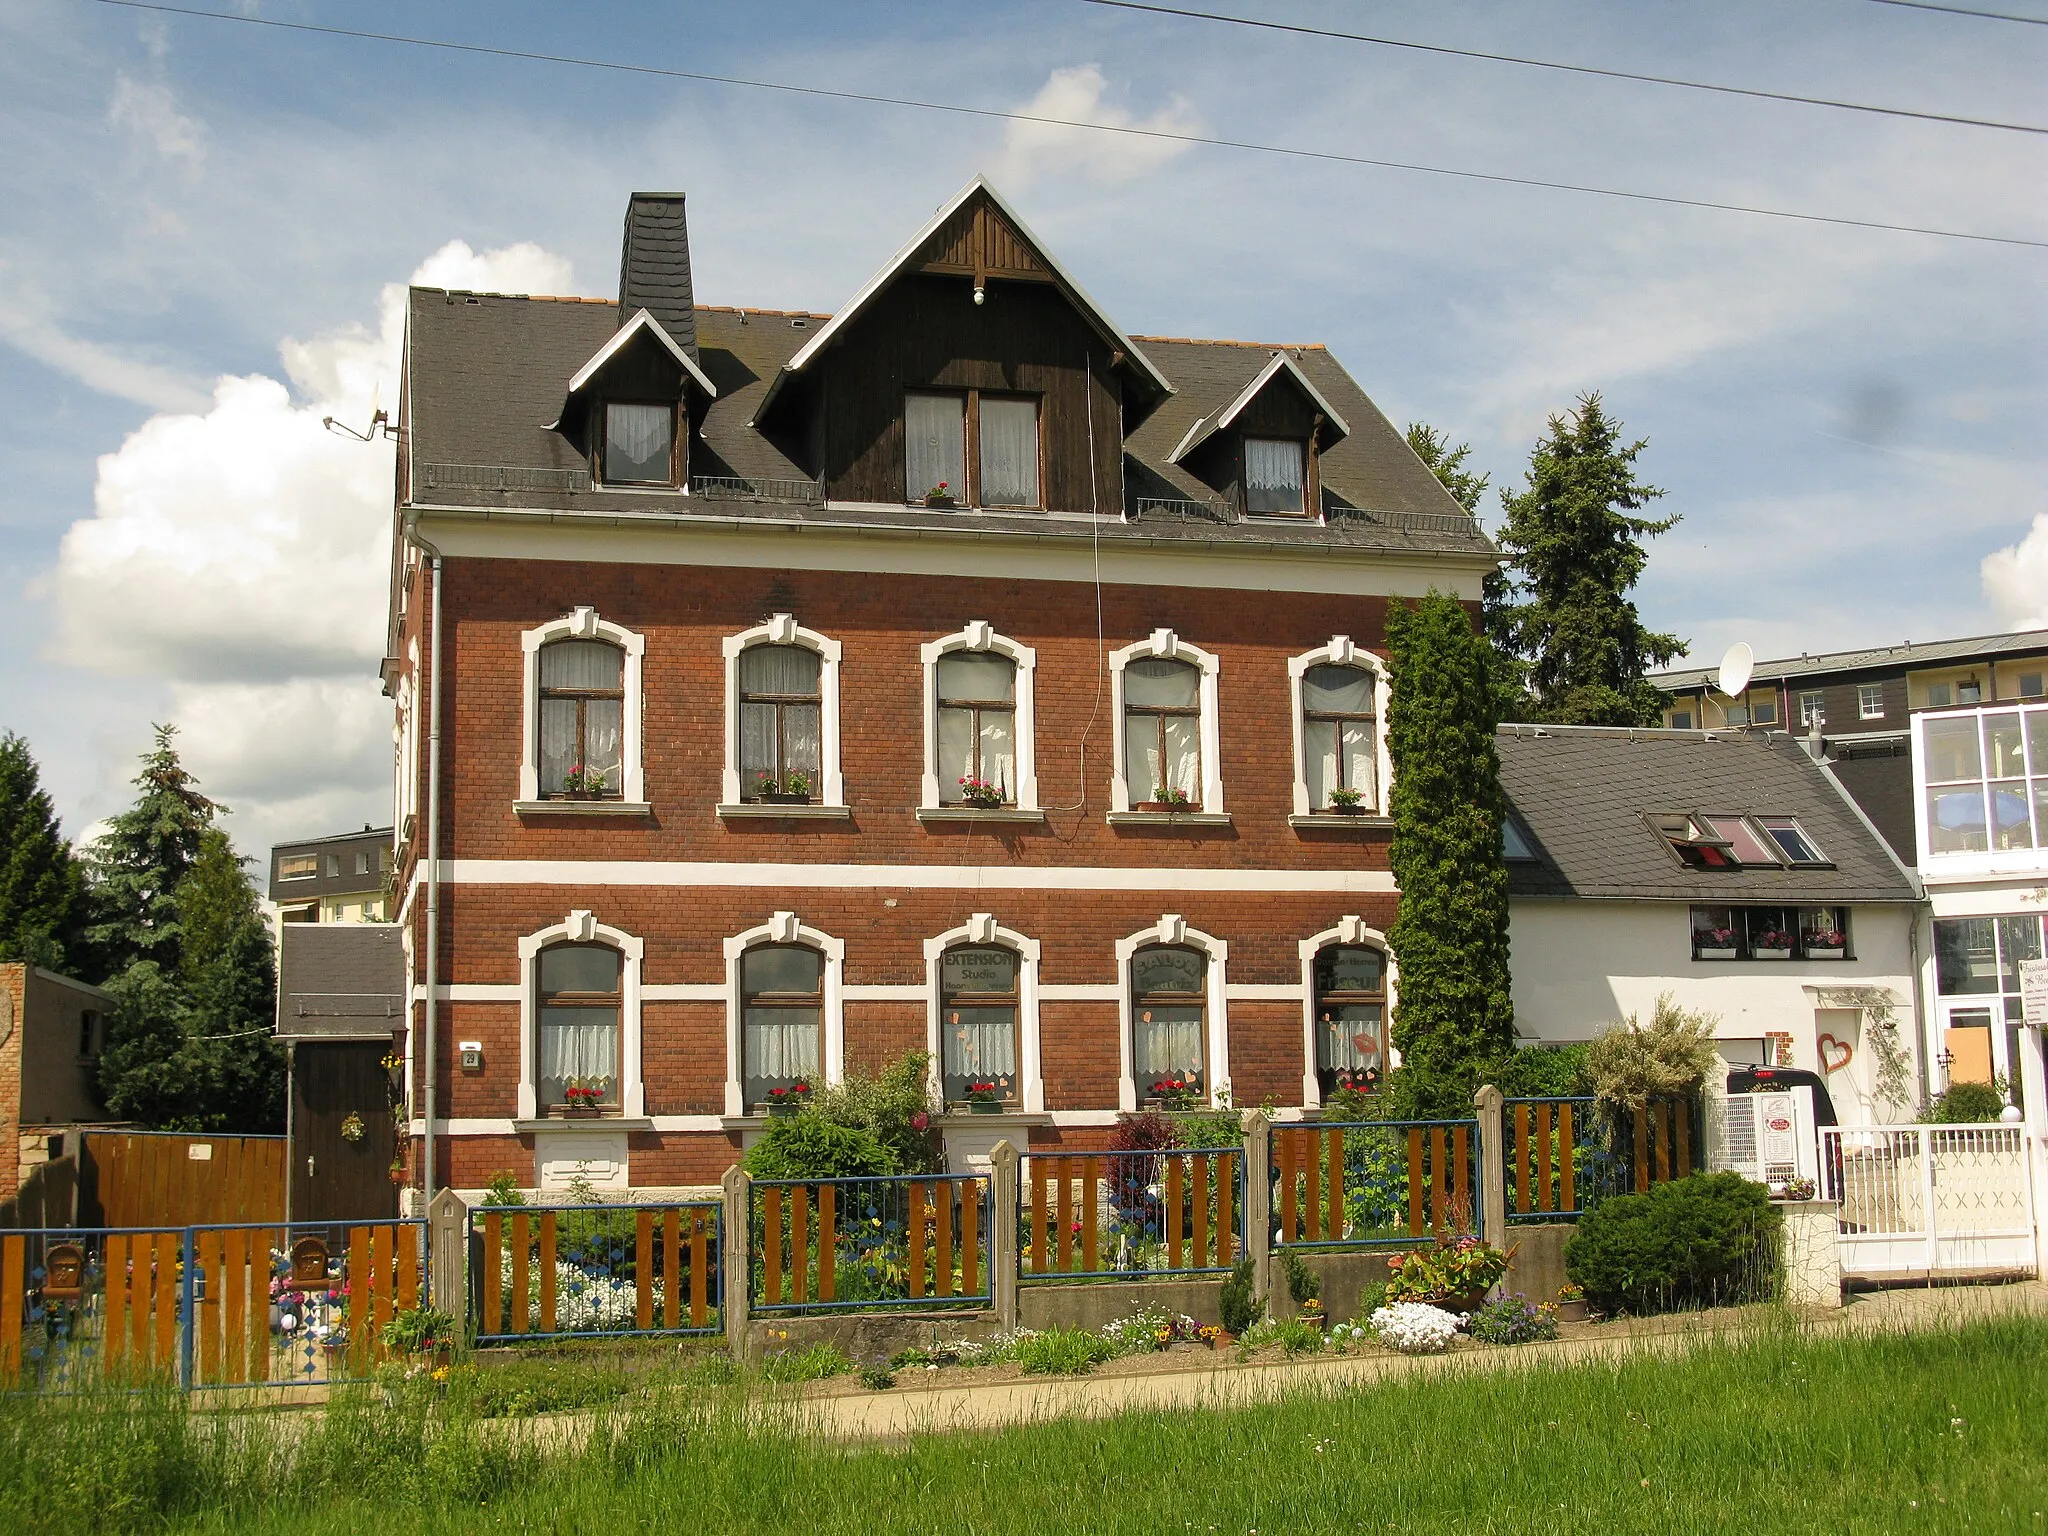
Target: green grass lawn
point(1936, 1431)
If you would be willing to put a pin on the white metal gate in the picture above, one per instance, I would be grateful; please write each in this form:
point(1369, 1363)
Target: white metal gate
point(1931, 1199)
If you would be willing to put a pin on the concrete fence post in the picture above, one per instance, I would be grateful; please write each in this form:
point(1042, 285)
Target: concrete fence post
point(1258, 1197)
point(1492, 1157)
point(734, 1258)
point(1004, 1215)
point(448, 1253)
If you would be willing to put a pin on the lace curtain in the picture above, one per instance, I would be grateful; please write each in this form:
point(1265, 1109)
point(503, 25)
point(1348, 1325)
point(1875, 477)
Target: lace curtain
point(1339, 753)
point(1166, 1040)
point(981, 1042)
point(1272, 475)
point(1009, 453)
point(578, 1043)
point(934, 445)
point(1348, 1038)
point(637, 440)
point(1163, 750)
point(781, 1043)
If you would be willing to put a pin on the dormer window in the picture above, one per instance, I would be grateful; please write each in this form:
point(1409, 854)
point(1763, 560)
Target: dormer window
point(1275, 476)
point(639, 444)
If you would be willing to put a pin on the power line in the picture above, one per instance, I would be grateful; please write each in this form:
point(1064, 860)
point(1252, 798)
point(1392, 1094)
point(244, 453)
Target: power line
point(1125, 129)
point(1574, 69)
point(1959, 10)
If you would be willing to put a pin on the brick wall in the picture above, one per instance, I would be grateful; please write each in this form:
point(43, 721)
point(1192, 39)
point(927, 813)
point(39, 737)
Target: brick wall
point(13, 1012)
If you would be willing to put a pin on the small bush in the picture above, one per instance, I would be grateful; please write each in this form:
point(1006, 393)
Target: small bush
point(1671, 1055)
point(895, 1108)
point(877, 1377)
point(1299, 1338)
point(1303, 1283)
point(504, 1189)
point(1965, 1104)
point(812, 1364)
point(1414, 1328)
point(808, 1146)
point(1238, 1307)
point(1710, 1239)
point(1512, 1320)
point(1063, 1352)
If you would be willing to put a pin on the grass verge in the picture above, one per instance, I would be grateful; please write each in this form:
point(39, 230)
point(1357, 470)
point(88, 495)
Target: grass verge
point(1931, 1431)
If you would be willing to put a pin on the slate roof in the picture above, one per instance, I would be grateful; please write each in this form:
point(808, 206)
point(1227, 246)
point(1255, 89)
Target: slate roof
point(486, 376)
point(1886, 658)
point(1582, 794)
point(340, 980)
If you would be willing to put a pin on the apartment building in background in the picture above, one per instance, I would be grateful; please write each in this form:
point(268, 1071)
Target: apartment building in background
point(955, 672)
point(343, 878)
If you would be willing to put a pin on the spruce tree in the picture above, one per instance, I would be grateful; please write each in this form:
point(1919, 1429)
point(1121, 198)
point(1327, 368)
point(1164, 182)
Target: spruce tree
point(1454, 1011)
point(1577, 551)
point(136, 864)
point(42, 888)
point(1497, 589)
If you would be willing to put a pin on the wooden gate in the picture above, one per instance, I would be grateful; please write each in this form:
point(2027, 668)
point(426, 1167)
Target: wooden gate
point(143, 1178)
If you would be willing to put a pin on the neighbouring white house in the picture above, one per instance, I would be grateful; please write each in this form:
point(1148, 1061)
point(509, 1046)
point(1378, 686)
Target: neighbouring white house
point(1980, 796)
point(1729, 870)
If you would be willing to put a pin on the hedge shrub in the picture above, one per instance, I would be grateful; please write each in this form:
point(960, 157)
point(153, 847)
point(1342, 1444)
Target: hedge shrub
point(1707, 1240)
point(808, 1146)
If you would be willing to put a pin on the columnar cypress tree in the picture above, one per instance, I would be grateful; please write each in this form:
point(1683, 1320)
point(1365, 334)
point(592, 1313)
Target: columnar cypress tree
point(42, 889)
point(1454, 1010)
point(1577, 550)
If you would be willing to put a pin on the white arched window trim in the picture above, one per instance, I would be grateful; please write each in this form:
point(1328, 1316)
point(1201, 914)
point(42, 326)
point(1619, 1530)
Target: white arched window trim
point(783, 928)
point(983, 929)
point(981, 636)
point(579, 927)
point(1349, 930)
point(1165, 644)
point(783, 629)
point(1340, 652)
point(1173, 929)
point(581, 624)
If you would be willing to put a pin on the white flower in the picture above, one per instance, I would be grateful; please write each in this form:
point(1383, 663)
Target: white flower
point(1414, 1328)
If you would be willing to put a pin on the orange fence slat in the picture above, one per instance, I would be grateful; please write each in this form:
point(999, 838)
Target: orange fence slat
point(361, 1279)
point(918, 1201)
point(944, 1268)
point(493, 1271)
point(828, 1242)
point(1172, 1213)
point(1065, 1245)
point(1333, 1228)
point(1202, 1210)
point(1642, 1120)
point(1312, 1185)
point(233, 1310)
point(170, 1253)
point(114, 1304)
point(799, 1243)
point(643, 1269)
point(13, 1284)
point(1415, 1218)
point(522, 1244)
point(408, 1257)
point(1545, 1200)
point(700, 1285)
point(141, 1258)
point(256, 1321)
point(1681, 1115)
point(548, 1227)
point(970, 1239)
point(1091, 1181)
point(207, 1308)
point(1660, 1133)
point(1225, 1217)
point(671, 1269)
point(380, 1299)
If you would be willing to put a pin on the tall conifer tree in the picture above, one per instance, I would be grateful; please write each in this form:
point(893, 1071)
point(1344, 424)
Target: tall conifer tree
point(1565, 616)
point(42, 888)
point(136, 864)
point(1454, 1010)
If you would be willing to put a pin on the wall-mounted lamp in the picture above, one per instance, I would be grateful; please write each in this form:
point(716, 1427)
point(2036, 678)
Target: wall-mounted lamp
point(980, 293)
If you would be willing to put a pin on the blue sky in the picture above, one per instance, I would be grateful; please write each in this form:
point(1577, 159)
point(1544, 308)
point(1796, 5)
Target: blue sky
point(1849, 421)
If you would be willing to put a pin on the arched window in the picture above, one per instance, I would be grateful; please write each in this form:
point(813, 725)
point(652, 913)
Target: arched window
point(1351, 1018)
point(582, 720)
point(782, 1021)
point(580, 1004)
point(977, 734)
point(1169, 1022)
point(978, 1030)
point(1163, 732)
point(780, 711)
point(1339, 753)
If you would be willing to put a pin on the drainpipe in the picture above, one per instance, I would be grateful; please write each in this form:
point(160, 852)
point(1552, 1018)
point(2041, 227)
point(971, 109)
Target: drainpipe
point(430, 1073)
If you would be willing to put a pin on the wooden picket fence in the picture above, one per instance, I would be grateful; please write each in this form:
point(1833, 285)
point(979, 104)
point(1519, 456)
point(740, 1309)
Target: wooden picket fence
point(1134, 1214)
point(1421, 1179)
point(630, 1265)
point(897, 1240)
point(1560, 1161)
point(137, 1178)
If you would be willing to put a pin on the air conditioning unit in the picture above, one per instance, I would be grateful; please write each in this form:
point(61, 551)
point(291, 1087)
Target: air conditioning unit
point(1768, 1137)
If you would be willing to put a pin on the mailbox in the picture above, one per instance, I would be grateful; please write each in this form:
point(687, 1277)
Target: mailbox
point(309, 1265)
point(64, 1272)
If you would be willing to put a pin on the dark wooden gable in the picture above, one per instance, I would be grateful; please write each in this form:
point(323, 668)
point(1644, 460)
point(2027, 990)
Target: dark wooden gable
point(978, 242)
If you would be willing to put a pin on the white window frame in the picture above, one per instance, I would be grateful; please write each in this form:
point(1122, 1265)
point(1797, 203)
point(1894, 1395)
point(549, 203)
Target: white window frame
point(1340, 652)
point(1172, 928)
point(581, 624)
point(982, 929)
point(980, 635)
point(1165, 644)
point(1812, 701)
point(1349, 930)
point(783, 629)
point(580, 927)
point(783, 928)
point(1864, 692)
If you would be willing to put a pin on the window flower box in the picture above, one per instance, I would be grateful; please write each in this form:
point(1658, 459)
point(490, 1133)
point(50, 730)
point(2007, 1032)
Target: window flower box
point(1824, 951)
point(941, 498)
point(1770, 952)
point(981, 793)
point(787, 1101)
point(1346, 802)
point(1169, 800)
point(984, 1097)
point(577, 1111)
point(1714, 952)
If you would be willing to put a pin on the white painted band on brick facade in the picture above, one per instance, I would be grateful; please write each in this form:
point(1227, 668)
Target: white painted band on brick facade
point(872, 992)
point(484, 1126)
point(884, 877)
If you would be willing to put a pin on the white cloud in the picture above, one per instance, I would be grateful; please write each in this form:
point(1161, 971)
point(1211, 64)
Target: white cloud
point(240, 555)
point(1075, 95)
point(2016, 579)
point(151, 112)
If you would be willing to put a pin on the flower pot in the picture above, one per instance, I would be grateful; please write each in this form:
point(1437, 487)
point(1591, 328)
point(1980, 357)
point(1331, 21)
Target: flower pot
point(1716, 954)
point(1465, 1301)
point(1770, 954)
point(985, 1107)
point(942, 503)
point(1572, 1311)
point(782, 799)
point(1824, 954)
point(1168, 806)
point(577, 1111)
point(783, 1109)
point(1224, 1340)
point(983, 805)
point(1345, 810)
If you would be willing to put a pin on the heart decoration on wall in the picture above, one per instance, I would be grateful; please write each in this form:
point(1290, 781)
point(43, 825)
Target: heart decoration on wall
point(1834, 1054)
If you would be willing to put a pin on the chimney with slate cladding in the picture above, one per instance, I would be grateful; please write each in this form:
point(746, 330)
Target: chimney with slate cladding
point(654, 266)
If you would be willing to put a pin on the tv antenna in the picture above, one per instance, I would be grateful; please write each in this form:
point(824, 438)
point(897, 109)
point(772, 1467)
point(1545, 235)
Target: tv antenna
point(380, 423)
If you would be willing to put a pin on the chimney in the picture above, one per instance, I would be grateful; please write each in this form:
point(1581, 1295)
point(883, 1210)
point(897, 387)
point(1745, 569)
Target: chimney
point(654, 266)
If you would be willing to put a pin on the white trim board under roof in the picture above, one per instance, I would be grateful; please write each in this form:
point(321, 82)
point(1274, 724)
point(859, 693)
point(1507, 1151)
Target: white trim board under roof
point(1870, 659)
point(858, 304)
point(642, 320)
point(1203, 430)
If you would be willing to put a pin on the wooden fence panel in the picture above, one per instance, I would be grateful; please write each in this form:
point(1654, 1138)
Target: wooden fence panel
point(828, 1241)
point(1201, 1171)
point(1226, 1223)
point(522, 1263)
point(944, 1267)
point(548, 1228)
point(134, 1179)
point(671, 1269)
point(1567, 1195)
point(492, 1266)
point(643, 1269)
point(699, 1274)
point(970, 1238)
point(13, 1284)
point(234, 1304)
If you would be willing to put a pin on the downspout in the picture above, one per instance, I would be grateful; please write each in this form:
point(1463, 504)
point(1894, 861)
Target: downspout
point(430, 1071)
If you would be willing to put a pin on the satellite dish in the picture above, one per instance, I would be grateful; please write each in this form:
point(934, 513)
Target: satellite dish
point(1736, 665)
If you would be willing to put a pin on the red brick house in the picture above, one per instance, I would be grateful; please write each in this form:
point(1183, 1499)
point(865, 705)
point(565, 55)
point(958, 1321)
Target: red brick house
point(955, 672)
